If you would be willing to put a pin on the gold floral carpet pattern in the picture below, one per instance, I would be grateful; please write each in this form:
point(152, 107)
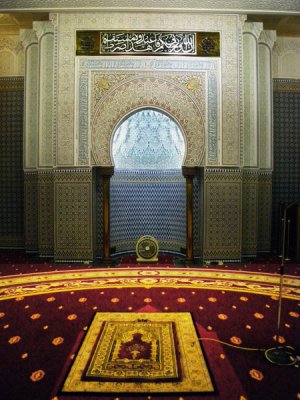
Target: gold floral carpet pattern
point(248, 282)
point(44, 317)
point(114, 370)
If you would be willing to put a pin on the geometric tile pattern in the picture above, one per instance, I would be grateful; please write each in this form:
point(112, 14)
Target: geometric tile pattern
point(286, 175)
point(148, 202)
point(31, 210)
point(198, 214)
point(250, 216)
point(264, 210)
point(11, 163)
point(222, 214)
point(46, 212)
point(73, 214)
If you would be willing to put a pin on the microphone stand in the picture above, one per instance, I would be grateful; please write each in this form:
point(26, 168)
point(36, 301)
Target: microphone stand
point(282, 355)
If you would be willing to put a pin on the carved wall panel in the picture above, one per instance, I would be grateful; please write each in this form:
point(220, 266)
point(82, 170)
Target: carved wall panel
point(222, 214)
point(228, 25)
point(114, 94)
point(250, 212)
point(46, 212)
point(148, 92)
point(31, 210)
point(73, 205)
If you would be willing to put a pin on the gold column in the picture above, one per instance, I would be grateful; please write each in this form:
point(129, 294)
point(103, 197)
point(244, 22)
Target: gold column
point(189, 173)
point(106, 173)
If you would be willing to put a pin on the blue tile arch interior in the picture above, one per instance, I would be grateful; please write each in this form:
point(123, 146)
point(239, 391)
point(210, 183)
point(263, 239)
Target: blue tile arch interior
point(148, 139)
point(147, 188)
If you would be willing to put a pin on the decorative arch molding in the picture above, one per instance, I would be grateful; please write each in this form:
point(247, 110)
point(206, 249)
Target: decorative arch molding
point(147, 92)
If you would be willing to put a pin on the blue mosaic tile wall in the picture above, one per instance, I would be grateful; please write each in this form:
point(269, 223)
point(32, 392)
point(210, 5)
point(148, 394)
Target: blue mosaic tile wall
point(11, 168)
point(286, 176)
point(148, 202)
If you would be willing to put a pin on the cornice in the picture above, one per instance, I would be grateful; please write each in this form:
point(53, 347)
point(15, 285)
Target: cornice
point(287, 7)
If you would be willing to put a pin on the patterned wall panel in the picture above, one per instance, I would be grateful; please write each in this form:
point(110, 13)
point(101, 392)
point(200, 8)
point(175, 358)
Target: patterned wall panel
point(264, 210)
point(46, 212)
point(11, 162)
point(286, 176)
point(198, 214)
point(73, 214)
point(31, 210)
point(222, 214)
point(98, 193)
point(250, 216)
point(145, 202)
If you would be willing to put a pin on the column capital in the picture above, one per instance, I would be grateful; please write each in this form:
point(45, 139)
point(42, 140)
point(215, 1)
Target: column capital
point(254, 28)
point(42, 27)
point(189, 172)
point(267, 37)
point(106, 171)
point(28, 37)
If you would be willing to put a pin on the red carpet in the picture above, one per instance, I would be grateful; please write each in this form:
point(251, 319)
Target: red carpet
point(43, 320)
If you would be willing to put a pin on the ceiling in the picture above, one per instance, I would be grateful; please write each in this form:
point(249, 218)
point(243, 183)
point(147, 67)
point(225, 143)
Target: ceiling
point(285, 25)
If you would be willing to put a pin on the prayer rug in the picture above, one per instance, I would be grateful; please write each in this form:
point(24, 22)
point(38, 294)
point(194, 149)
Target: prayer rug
point(139, 353)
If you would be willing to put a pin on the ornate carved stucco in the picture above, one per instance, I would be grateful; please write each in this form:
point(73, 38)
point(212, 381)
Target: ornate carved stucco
point(44, 32)
point(148, 91)
point(228, 25)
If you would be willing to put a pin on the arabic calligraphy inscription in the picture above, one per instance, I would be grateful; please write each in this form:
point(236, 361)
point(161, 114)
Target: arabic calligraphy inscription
point(205, 44)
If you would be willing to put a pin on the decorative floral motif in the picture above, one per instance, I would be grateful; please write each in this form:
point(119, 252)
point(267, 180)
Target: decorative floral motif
point(235, 340)
point(35, 316)
point(148, 281)
point(37, 375)
point(14, 339)
point(294, 314)
point(147, 300)
point(244, 298)
point(256, 374)
point(71, 317)
point(82, 299)
point(115, 300)
point(2, 314)
point(57, 341)
point(259, 315)
point(181, 300)
point(212, 299)
point(50, 299)
point(222, 316)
